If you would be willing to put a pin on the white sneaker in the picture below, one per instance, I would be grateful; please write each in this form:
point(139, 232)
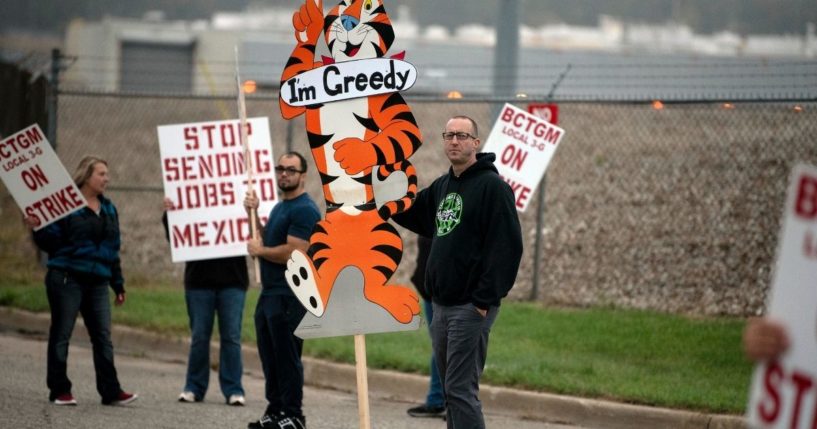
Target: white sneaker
point(187, 396)
point(236, 400)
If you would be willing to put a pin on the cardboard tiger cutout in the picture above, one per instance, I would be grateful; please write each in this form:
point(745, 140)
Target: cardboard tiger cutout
point(351, 140)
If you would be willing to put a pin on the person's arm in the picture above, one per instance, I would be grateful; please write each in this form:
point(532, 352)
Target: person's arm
point(419, 218)
point(502, 248)
point(48, 239)
point(764, 338)
point(278, 254)
point(117, 279)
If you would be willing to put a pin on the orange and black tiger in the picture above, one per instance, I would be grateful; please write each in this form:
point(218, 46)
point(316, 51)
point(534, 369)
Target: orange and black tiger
point(350, 141)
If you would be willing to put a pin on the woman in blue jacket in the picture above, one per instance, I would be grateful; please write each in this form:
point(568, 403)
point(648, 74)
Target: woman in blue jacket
point(83, 260)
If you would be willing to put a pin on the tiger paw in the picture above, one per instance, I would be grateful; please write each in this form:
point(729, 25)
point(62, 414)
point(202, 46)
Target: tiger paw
point(300, 276)
point(354, 155)
point(401, 302)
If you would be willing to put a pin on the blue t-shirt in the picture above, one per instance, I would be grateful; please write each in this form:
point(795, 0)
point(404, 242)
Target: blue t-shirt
point(295, 217)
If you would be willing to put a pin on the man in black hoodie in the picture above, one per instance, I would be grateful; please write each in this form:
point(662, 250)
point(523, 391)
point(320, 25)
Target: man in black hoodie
point(474, 258)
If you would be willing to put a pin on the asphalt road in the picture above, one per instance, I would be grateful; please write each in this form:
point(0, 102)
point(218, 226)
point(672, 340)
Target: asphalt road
point(24, 397)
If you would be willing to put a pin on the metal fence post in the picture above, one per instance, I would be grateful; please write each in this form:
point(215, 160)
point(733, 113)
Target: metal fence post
point(52, 97)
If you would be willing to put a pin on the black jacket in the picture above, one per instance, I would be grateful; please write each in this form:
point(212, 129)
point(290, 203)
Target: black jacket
point(477, 240)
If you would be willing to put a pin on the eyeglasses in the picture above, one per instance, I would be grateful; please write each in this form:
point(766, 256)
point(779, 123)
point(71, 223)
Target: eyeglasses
point(459, 136)
point(288, 170)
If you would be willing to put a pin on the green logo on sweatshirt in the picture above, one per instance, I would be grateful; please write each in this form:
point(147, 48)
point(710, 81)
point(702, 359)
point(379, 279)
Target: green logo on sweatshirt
point(449, 214)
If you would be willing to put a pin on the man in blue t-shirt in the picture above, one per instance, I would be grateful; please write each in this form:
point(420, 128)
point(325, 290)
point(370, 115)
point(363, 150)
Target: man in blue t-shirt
point(278, 312)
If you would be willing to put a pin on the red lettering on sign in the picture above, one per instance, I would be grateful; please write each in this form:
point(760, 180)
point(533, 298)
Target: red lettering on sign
point(769, 406)
point(806, 204)
point(20, 141)
point(34, 178)
point(513, 157)
point(54, 205)
point(520, 191)
point(190, 235)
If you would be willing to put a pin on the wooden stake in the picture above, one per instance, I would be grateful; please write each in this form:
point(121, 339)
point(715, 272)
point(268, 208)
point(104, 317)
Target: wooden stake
point(362, 382)
point(242, 114)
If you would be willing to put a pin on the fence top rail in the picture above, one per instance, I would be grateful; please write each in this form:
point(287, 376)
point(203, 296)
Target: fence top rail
point(434, 98)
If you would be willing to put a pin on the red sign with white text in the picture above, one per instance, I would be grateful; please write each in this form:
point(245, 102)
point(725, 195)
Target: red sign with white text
point(546, 111)
point(784, 390)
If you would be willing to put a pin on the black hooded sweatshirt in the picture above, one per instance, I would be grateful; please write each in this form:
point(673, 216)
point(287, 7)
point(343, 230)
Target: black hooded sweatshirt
point(476, 238)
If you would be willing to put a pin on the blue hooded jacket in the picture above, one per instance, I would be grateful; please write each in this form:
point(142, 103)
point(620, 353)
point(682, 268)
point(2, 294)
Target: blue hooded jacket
point(85, 244)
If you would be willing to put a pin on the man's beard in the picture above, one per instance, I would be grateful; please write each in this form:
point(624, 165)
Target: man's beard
point(287, 188)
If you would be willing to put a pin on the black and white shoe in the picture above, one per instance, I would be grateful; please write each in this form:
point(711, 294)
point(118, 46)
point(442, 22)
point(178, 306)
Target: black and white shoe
point(266, 421)
point(292, 422)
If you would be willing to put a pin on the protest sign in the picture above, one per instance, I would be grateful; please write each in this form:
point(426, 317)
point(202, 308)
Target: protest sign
point(524, 144)
point(784, 390)
point(204, 174)
point(36, 178)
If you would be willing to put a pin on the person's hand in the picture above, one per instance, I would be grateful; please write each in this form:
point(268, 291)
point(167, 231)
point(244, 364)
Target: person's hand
point(169, 204)
point(254, 247)
point(120, 299)
point(31, 221)
point(764, 338)
point(250, 202)
point(482, 312)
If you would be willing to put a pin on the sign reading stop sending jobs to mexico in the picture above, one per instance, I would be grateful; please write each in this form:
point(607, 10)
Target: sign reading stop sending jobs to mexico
point(36, 178)
point(523, 144)
point(784, 390)
point(205, 175)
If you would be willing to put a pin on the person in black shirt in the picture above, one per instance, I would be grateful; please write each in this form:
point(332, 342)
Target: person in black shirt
point(472, 265)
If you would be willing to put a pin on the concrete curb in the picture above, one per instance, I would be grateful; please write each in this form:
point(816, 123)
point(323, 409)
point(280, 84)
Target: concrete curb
point(406, 387)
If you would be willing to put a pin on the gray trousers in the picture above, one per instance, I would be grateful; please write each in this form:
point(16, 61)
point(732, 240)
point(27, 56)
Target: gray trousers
point(459, 336)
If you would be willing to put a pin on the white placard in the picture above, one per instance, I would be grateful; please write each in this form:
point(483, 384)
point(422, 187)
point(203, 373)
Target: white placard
point(784, 391)
point(204, 174)
point(524, 144)
point(350, 79)
point(36, 178)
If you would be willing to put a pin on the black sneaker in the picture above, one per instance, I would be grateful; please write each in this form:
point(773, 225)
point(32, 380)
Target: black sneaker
point(292, 422)
point(266, 421)
point(426, 411)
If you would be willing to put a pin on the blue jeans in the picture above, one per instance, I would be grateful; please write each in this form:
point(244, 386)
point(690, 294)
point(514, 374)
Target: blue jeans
point(276, 317)
point(435, 386)
point(202, 306)
point(67, 297)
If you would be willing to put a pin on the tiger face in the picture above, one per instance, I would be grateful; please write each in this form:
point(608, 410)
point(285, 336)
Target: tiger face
point(358, 29)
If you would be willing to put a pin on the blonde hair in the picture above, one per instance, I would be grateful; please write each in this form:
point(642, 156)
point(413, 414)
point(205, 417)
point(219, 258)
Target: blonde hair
point(86, 168)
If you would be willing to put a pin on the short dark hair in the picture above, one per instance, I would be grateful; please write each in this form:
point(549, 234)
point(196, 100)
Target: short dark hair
point(475, 134)
point(300, 158)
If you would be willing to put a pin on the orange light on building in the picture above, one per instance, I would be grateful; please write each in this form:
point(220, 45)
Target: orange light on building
point(250, 86)
point(657, 105)
point(728, 106)
point(454, 94)
point(797, 108)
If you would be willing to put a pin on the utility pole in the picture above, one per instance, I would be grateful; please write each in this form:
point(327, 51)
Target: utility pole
point(506, 50)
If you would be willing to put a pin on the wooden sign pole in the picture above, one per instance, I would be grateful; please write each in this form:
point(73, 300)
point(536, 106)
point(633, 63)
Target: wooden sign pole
point(362, 382)
point(242, 113)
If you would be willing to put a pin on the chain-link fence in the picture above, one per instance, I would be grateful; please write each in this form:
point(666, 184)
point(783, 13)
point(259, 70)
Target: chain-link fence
point(674, 209)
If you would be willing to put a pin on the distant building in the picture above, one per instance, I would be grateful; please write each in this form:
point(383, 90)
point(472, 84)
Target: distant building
point(156, 55)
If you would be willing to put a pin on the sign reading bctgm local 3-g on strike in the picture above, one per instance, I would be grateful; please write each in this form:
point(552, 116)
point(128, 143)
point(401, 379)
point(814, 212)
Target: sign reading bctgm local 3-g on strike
point(36, 178)
point(784, 390)
point(523, 144)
